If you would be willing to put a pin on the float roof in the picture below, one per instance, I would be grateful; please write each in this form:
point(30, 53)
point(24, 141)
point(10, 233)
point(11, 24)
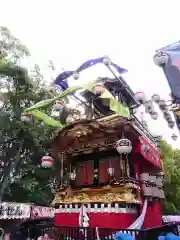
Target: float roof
point(87, 135)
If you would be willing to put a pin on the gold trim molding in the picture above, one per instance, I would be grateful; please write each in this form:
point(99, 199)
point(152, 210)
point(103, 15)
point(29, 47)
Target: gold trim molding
point(89, 195)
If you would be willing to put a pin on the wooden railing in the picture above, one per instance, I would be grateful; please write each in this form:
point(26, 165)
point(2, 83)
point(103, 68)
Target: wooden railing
point(78, 233)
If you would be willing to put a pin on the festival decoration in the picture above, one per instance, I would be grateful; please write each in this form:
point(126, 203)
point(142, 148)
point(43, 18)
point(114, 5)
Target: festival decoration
point(156, 98)
point(26, 117)
point(106, 61)
point(162, 105)
point(58, 106)
point(34, 110)
point(174, 136)
point(147, 189)
point(73, 175)
point(144, 177)
point(110, 171)
point(83, 217)
point(61, 79)
point(140, 220)
point(76, 76)
point(161, 58)
point(154, 115)
point(140, 96)
point(167, 116)
point(171, 124)
point(46, 162)
point(149, 108)
point(98, 88)
point(124, 146)
point(161, 193)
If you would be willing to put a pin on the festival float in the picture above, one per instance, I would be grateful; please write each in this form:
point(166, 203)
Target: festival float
point(109, 166)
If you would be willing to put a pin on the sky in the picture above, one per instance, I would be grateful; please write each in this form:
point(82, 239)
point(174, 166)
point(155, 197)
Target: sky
point(70, 32)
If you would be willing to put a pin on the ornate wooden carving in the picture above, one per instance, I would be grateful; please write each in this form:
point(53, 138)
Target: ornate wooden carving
point(105, 195)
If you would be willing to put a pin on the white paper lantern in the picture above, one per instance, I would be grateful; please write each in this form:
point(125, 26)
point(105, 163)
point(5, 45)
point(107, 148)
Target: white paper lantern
point(155, 192)
point(58, 106)
point(154, 115)
point(106, 61)
point(46, 162)
point(156, 98)
point(53, 90)
point(110, 171)
point(171, 124)
point(147, 190)
point(149, 108)
point(140, 97)
point(41, 124)
point(98, 88)
point(144, 177)
point(124, 146)
point(159, 181)
point(161, 193)
point(152, 178)
point(167, 116)
point(162, 105)
point(174, 136)
point(76, 76)
point(26, 117)
point(160, 173)
point(161, 58)
point(73, 176)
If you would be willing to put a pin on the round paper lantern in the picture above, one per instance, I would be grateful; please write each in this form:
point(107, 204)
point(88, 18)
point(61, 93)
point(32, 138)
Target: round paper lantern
point(106, 61)
point(154, 115)
point(110, 171)
point(26, 117)
point(41, 124)
point(156, 98)
point(76, 76)
point(46, 162)
point(144, 177)
point(58, 106)
point(52, 90)
point(162, 105)
point(73, 176)
point(174, 136)
point(167, 116)
point(161, 58)
point(149, 108)
point(171, 124)
point(140, 97)
point(124, 146)
point(98, 88)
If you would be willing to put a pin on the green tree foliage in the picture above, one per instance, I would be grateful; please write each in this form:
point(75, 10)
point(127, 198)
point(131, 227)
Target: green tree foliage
point(171, 163)
point(21, 144)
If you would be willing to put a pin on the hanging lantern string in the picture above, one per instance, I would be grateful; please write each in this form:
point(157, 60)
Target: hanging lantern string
point(62, 172)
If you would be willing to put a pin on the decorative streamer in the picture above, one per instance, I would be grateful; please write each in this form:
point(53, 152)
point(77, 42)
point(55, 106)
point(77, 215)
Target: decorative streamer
point(139, 221)
point(36, 112)
point(61, 78)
